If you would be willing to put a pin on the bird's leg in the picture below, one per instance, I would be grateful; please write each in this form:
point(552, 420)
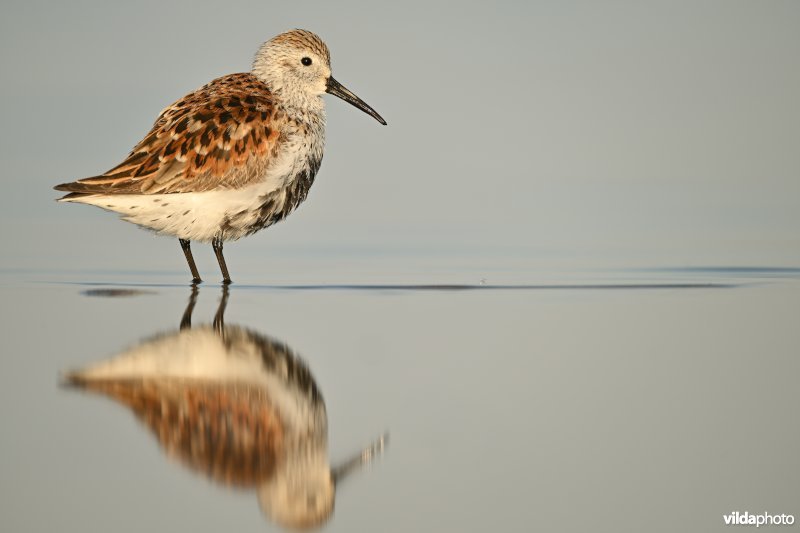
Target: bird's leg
point(187, 251)
point(219, 317)
point(216, 243)
point(186, 320)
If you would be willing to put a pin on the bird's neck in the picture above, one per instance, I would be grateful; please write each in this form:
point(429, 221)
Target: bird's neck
point(298, 102)
point(311, 112)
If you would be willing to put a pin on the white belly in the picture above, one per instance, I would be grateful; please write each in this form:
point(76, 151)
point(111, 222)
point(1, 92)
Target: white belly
point(195, 216)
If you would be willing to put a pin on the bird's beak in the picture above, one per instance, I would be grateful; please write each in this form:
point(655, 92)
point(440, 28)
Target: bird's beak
point(363, 458)
point(337, 89)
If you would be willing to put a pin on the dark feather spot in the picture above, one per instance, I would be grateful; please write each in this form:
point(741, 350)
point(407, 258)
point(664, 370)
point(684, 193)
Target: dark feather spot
point(181, 127)
point(134, 158)
point(170, 148)
point(314, 165)
point(122, 174)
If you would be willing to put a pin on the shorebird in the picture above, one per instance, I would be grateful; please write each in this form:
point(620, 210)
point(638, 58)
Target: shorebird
point(233, 157)
point(236, 406)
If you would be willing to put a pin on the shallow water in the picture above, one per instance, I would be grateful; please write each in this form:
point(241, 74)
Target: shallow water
point(655, 399)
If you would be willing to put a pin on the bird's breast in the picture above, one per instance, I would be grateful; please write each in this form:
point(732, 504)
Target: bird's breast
point(293, 172)
point(276, 205)
point(283, 187)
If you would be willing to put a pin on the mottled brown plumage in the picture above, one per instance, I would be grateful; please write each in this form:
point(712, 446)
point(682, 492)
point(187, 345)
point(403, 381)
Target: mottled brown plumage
point(231, 433)
point(220, 136)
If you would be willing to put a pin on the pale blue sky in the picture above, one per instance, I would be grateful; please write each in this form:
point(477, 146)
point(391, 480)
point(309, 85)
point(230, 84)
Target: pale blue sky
point(614, 133)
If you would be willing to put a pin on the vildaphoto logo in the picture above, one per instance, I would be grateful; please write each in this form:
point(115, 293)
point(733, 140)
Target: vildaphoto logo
point(764, 519)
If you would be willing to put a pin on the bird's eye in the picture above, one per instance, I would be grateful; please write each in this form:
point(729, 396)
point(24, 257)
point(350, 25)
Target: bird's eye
point(306, 61)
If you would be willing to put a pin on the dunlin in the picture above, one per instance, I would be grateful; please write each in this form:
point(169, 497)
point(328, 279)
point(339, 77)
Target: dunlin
point(233, 157)
point(237, 406)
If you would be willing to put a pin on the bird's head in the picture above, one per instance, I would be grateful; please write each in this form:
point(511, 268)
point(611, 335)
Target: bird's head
point(296, 65)
point(301, 498)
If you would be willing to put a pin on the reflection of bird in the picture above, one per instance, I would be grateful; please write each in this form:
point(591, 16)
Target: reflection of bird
point(237, 406)
point(231, 158)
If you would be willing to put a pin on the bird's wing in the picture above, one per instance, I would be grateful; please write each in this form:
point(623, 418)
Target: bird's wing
point(221, 135)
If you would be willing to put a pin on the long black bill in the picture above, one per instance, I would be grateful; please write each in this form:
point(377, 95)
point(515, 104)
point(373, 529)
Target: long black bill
point(337, 89)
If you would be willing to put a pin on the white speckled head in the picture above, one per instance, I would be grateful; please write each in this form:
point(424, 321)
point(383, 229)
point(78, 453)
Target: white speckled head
point(296, 66)
point(302, 492)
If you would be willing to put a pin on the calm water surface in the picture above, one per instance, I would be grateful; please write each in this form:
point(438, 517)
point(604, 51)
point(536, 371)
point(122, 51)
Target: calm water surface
point(640, 400)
